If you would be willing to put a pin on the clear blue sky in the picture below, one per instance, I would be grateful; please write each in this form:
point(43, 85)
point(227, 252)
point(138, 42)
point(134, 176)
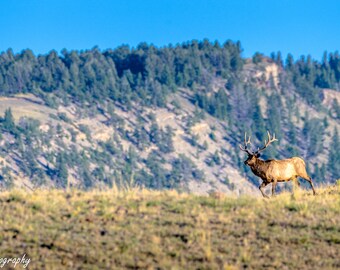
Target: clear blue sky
point(295, 26)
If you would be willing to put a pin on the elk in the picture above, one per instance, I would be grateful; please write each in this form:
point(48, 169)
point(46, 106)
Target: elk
point(274, 171)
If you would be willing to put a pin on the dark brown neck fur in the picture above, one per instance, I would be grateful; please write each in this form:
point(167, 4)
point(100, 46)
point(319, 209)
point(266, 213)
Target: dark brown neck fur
point(259, 168)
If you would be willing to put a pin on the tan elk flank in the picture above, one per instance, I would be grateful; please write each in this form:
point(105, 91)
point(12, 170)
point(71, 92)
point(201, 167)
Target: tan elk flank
point(273, 171)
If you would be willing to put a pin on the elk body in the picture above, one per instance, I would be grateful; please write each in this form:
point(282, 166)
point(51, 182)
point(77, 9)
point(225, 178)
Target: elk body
point(274, 171)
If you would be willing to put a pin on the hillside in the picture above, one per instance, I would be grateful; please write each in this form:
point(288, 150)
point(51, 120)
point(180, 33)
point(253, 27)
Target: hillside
point(141, 229)
point(163, 118)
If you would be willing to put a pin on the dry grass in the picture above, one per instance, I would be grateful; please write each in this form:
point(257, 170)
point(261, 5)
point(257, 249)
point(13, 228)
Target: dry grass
point(140, 229)
point(24, 106)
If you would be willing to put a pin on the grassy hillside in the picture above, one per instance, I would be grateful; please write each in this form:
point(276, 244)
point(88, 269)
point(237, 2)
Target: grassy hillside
point(140, 229)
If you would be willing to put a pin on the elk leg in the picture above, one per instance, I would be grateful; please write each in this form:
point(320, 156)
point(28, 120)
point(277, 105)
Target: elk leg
point(311, 184)
point(261, 188)
point(273, 187)
point(296, 183)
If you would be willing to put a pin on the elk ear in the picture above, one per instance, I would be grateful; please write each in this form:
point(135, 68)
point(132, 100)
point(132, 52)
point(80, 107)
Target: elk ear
point(258, 155)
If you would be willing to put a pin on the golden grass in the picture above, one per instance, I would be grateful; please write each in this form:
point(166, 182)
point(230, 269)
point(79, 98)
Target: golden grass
point(25, 108)
point(142, 229)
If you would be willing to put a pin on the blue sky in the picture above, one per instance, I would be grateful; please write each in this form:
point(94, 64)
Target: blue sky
point(297, 27)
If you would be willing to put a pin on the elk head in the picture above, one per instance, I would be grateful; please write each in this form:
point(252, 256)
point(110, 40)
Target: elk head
point(254, 155)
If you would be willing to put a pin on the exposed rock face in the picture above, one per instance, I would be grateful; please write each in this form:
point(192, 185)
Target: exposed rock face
point(329, 97)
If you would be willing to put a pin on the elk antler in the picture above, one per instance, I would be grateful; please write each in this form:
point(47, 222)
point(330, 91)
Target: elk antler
point(267, 143)
point(246, 142)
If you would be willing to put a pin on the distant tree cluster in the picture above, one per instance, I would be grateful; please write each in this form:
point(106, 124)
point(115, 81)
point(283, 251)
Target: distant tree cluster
point(309, 75)
point(144, 74)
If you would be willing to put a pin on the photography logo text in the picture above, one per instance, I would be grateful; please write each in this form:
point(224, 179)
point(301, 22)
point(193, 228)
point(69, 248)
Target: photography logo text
point(24, 261)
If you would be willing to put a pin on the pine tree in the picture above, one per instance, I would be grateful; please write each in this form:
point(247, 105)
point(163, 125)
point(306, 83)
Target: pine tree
point(166, 145)
point(336, 109)
point(258, 124)
point(290, 62)
point(61, 171)
point(274, 122)
point(155, 135)
point(278, 59)
point(334, 156)
point(8, 122)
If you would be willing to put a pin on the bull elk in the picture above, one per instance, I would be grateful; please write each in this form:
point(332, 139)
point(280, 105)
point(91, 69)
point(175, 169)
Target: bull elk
point(273, 171)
